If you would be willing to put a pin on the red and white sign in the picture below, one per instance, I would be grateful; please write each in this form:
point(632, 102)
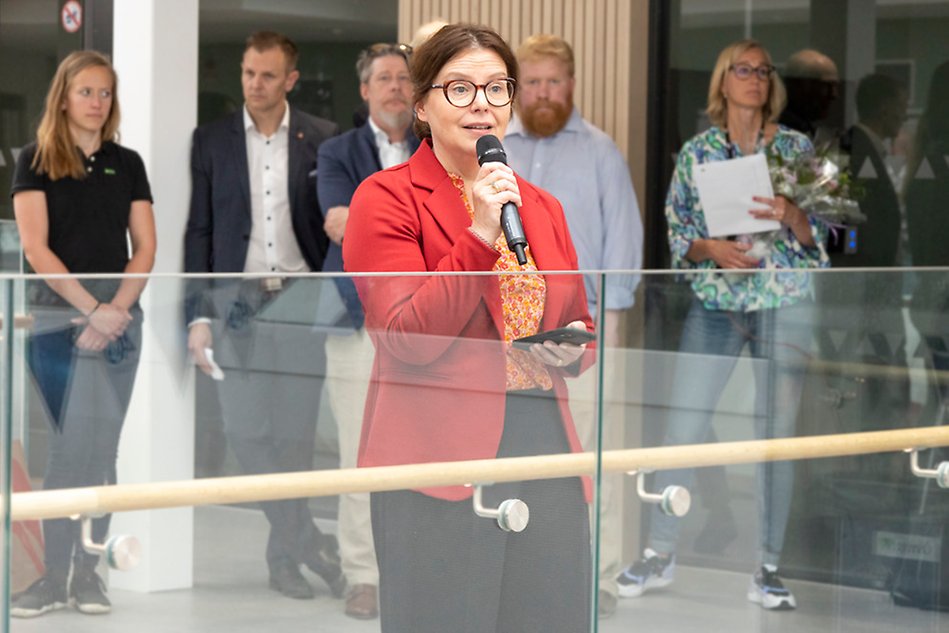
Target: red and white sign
point(71, 16)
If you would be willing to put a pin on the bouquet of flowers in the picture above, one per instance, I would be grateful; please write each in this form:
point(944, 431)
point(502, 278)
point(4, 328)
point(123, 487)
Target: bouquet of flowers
point(820, 185)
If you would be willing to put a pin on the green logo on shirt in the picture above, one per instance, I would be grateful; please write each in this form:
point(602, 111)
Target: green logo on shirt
point(108, 171)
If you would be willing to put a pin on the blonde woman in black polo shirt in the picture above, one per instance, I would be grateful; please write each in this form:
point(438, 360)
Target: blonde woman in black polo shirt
point(77, 196)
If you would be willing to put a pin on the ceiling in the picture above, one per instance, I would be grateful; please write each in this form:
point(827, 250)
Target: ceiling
point(33, 24)
point(301, 20)
point(705, 13)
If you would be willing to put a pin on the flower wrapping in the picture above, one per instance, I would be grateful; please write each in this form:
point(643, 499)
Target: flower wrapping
point(820, 185)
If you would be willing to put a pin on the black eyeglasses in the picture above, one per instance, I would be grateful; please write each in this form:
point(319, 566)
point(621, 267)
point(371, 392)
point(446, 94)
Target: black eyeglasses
point(461, 93)
point(745, 71)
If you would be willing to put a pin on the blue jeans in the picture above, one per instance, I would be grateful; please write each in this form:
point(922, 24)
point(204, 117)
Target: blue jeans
point(780, 342)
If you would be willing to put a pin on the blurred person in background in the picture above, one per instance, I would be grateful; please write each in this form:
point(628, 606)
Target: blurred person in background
point(927, 183)
point(862, 313)
point(345, 161)
point(78, 197)
point(254, 210)
point(555, 148)
point(813, 85)
point(769, 311)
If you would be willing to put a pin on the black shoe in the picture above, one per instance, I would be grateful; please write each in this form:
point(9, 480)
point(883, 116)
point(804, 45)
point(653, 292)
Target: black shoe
point(44, 595)
point(287, 579)
point(324, 562)
point(87, 592)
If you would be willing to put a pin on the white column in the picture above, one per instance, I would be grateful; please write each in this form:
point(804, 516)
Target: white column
point(155, 52)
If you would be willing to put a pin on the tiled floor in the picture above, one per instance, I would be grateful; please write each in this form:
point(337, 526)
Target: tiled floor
point(231, 596)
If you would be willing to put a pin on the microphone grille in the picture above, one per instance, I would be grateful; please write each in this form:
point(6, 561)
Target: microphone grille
point(490, 150)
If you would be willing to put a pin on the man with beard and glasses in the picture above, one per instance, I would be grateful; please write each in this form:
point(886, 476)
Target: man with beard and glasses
point(552, 146)
point(345, 161)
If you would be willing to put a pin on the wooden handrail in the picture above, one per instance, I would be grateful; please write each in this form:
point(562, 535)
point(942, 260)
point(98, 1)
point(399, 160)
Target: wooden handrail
point(127, 497)
point(20, 321)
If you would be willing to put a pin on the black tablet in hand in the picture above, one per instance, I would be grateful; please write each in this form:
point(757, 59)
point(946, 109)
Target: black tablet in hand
point(571, 335)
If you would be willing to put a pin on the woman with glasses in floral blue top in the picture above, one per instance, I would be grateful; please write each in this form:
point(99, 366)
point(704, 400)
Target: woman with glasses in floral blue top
point(767, 310)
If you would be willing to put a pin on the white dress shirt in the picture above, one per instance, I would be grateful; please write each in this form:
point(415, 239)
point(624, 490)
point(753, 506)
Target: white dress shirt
point(390, 154)
point(273, 244)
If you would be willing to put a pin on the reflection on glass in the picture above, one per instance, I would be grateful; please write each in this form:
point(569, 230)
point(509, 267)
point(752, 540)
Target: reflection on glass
point(928, 181)
point(812, 82)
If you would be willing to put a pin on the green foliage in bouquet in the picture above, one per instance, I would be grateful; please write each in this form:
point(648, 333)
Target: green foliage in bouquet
point(820, 184)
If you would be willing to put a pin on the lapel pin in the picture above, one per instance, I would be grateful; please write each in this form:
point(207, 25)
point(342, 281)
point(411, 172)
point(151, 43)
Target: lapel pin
point(300, 135)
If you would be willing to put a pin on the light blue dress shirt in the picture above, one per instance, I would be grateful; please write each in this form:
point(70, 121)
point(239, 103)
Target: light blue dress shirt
point(582, 167)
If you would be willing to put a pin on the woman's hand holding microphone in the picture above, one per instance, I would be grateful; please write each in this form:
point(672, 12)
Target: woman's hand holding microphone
point(494, 186)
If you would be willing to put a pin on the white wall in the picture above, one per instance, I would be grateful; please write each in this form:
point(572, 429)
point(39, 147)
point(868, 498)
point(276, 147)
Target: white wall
point(155, 52)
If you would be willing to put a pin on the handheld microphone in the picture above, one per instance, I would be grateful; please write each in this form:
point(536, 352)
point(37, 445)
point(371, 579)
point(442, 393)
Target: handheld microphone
point(489, 150)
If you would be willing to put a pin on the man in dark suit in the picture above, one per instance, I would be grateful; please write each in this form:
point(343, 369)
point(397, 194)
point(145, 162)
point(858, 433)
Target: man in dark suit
point(881, 110)
point(868, 307)
point(254, 210)
point(345, 161)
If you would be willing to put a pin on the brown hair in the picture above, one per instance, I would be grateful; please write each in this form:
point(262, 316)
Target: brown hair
point(56, 154)
point(429, 59)
point(717, 109)
point(544, 45)
point(262, 41)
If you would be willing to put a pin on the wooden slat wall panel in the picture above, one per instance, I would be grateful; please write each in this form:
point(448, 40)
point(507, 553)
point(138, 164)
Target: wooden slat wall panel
point(608, 37)
point(609, 70)
point(602, 78)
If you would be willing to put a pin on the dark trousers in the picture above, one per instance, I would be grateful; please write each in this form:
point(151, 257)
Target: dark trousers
point(293, 535)
point(442, 568)
point(270, 398)
point(85, 396)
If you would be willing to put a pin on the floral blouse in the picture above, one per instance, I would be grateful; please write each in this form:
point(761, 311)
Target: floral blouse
point(522, 307)
point(729, 291)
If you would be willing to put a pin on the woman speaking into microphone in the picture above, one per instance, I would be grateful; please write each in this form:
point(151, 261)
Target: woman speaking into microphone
point(448, 384)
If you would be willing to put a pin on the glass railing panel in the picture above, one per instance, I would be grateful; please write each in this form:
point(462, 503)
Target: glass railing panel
point(857, 540)
point(449, 390)
point(7, 466)
point(11, 251)
point(292, 396)
point(857, 528)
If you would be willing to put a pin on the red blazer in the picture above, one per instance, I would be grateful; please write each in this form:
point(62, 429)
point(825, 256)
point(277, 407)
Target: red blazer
point(438, 383)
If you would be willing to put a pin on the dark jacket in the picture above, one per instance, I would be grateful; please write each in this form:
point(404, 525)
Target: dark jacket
point(219, 220)
point(345, 161)
point(879, 236)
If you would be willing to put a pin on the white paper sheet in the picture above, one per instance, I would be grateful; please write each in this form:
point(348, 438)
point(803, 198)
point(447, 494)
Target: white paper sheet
point(726, 188)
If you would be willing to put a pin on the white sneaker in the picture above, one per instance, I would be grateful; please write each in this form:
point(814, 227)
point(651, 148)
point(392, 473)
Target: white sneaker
point(767, 590)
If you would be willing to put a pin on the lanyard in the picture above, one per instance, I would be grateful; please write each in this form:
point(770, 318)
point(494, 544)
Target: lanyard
point(730, 147)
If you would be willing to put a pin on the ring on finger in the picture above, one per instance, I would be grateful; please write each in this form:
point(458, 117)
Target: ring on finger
point(496, 187)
